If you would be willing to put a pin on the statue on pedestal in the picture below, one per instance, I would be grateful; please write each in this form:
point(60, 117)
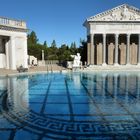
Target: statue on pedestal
point(76, 61)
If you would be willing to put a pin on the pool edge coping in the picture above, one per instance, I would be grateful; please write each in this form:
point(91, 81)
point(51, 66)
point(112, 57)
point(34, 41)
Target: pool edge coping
point(66, 71)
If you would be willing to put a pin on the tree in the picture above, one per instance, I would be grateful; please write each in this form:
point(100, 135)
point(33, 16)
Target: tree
point(83, 50)
point(53, 45)
point(73, 48)
point(45, 44)
point(53, 51)
point(64, 53)
point(32, 38)
point(34, 48)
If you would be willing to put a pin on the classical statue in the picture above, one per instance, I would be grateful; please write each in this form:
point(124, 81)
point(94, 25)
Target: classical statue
point(113, 16)
point(124, 14)
point(76, 61)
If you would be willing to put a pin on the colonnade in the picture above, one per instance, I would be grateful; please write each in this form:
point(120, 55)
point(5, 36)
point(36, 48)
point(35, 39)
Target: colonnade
point(92, 49)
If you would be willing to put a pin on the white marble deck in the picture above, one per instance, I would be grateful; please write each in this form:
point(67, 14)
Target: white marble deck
point(113, 68)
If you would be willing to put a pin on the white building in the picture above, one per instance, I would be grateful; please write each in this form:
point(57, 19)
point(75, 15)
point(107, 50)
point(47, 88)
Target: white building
point(114, 37)
point(13, 44)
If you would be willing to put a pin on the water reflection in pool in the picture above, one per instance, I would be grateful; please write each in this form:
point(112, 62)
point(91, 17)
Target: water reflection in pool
point(69, 106)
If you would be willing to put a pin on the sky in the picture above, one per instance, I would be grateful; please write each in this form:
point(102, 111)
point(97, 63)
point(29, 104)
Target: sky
point(59, 20)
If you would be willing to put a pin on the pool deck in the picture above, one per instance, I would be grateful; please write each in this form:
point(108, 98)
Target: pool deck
point(56, 68)
point(33, 69)
point(113, 68)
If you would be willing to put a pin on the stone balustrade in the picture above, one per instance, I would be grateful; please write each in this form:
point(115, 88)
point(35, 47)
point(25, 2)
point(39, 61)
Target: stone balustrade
point(12, 23)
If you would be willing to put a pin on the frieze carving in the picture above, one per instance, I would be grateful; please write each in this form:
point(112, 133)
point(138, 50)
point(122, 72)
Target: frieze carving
point(124, 14)
point(120, 13)
point(113, 16)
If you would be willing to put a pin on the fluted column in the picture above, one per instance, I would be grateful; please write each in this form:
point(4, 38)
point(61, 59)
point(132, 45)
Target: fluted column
point(104, 50)
point(139, 50)
point(92, 49)
point(128, 50)
point(116, 49)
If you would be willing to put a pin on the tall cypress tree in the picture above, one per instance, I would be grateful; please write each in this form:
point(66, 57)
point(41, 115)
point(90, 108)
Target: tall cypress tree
point(53, 45)
point(32, 38)
point(45, 44)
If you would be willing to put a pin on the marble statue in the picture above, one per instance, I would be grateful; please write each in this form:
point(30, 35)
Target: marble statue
point(76, 61)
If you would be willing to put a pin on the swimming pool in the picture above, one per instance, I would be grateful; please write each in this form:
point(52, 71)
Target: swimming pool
point(101, 105)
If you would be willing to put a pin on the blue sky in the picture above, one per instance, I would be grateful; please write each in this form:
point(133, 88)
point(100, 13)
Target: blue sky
point(61, 20)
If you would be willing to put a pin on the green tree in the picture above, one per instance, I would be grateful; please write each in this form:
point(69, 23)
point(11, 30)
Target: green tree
point(53, 44)
point(53, 51)
point(83, 50)
point(45, 44)
point(64, 53)
point(32, 38)
point(73, 48)
point(34, 48)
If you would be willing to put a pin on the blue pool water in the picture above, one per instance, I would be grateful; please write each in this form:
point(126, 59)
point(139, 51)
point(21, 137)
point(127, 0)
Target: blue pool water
point(70, 106)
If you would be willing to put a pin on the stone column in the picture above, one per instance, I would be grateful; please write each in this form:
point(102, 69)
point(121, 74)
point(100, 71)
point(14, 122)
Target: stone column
point(104, 50)
point(88, 52)
point(139, 49)
point(12, 53)
point(128, 50)
point(2, 55)
point(116, 49)
point(1, 43)
point(7, 53)
point(92, 49)
point(25, 53)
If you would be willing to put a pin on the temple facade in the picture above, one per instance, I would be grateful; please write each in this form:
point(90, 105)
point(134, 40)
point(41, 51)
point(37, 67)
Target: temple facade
point(13, 43)
point(114, 37)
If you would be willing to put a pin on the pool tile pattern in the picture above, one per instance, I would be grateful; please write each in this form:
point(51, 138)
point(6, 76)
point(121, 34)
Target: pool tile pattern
point(70, 106)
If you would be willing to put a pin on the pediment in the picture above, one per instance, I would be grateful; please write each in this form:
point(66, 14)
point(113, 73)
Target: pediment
point(120, 13)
